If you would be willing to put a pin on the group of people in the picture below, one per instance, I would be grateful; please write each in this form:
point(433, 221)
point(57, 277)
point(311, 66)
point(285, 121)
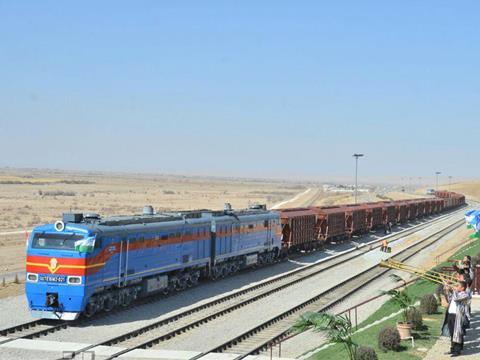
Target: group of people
point(458, 314)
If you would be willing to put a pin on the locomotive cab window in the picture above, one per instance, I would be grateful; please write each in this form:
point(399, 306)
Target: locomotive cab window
point(55, 241)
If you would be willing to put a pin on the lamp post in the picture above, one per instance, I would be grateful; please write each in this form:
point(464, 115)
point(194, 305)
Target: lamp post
point(356, 156)
point(436, 174)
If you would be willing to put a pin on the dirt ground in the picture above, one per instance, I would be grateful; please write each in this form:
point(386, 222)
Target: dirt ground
point(32, 197)
point(11, 289)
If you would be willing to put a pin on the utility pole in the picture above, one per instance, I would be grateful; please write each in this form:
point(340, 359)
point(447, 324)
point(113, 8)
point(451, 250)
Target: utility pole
point(437, 173)
point(356, 156)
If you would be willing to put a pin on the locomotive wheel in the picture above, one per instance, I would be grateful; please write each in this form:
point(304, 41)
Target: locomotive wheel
point(109, 304)
point(188, 280)
point(90, 310)
point(224, 271)
point(166, 291)
point(126, 300)
point(181, 284)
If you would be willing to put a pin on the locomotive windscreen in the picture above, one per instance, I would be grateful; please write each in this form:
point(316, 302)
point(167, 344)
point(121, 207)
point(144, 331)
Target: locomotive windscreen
point(55, 241)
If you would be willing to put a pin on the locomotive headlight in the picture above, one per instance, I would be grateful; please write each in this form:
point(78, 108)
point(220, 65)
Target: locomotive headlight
point(74, 280)
point(59, 225)
point(32, 277)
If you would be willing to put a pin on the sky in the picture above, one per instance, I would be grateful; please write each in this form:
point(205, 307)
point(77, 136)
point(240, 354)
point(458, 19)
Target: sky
point(241, 88)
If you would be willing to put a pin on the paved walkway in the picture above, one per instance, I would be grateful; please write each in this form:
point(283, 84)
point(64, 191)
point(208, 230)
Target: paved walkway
point(472, 339)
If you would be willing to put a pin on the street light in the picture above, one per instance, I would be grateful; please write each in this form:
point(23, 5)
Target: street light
point(437, 173)
point(449, 182)
point(356, 156)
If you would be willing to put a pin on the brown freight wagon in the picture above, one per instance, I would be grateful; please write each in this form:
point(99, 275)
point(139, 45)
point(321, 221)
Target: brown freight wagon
point(443, 194)
point(330, 223)
point(428, 207)
point(421, 207)
point(298, 229)
point(374, 215)
point(402, 211)
point(389, 212)
point(435, 206)
point(440, 205)
point(448, 202)
point(412, 209)
point(355, 219)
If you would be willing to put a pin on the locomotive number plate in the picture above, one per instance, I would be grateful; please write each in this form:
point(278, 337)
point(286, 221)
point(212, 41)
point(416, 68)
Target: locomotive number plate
point(53, 278)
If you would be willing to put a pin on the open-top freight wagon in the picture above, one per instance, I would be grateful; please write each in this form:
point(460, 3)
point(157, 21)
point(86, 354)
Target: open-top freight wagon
point(299, 229)
point(330, 223)
point(375, 215)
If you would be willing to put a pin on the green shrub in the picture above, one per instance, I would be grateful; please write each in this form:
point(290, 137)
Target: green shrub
point(429, 304)
point(415, 317)
point(366, 353)
point(389, 339)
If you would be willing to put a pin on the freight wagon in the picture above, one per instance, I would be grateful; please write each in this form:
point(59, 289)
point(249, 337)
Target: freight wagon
point(299, 230)
point(330, 223)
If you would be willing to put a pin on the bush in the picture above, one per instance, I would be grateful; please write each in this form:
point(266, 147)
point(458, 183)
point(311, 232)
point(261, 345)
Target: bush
point(389, 339)
point(415, 317)
point(366, 353)
point(429, 304)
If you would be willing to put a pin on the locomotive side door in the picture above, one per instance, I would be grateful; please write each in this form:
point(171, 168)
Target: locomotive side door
point(267, 224)
point(123, 261)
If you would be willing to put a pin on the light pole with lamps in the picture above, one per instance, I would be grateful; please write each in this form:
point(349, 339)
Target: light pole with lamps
point(437, 173)
point(356, 156)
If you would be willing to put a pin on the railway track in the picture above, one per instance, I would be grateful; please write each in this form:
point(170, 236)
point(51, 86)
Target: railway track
point(169, 327)
point(257, 339)
point(32, 329)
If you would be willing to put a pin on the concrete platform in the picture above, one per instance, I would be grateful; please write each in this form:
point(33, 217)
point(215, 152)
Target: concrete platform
point(57, 349)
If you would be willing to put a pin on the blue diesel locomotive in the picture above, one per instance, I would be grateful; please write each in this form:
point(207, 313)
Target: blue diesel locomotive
point(86, 263)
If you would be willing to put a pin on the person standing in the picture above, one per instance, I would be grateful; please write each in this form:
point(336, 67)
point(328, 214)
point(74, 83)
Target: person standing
point(384, 245)
point(453, 324)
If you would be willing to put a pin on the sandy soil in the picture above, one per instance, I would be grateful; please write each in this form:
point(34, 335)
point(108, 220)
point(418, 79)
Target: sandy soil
point(28, 198)
point(11, 289)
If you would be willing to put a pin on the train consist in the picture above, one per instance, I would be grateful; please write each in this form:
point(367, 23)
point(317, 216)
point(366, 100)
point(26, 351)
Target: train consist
point(85, 263)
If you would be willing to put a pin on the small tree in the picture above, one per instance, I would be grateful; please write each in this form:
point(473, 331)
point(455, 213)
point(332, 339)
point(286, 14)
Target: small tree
point(338, 328)
point(401, 298)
